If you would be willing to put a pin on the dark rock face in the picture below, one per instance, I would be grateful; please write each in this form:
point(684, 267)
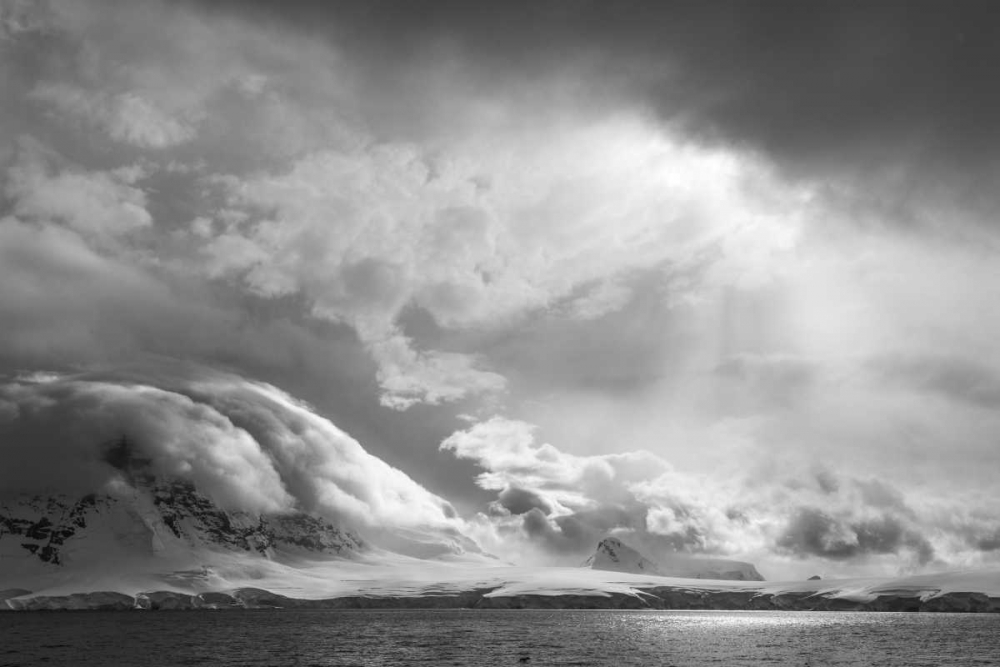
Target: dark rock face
point(309, 533)
point(189, 514)
point(41, 526)
point(147, 510)
point(962, 602)
point(164, 600)
point(614, 555)
point(43, 536)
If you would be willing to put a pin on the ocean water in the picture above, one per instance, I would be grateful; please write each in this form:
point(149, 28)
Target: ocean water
point(317, 638)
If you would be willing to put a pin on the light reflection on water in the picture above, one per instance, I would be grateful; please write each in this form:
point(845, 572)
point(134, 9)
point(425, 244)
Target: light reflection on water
point(497, 637)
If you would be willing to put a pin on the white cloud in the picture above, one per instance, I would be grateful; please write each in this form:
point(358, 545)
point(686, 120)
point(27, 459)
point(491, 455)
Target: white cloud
point(554, 506)
point(535, 242)
point(248, 445)
point(605, 298)
point(409, 376)
point(499, 217)
point(127, 117)
point(479, 238)
point(100, 205)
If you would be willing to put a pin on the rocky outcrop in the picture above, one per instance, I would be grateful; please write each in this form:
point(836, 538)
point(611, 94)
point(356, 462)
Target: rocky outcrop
point(42, 525)
point(962, 602)
point(144, 518)
point(614, 555)
point(611, 554)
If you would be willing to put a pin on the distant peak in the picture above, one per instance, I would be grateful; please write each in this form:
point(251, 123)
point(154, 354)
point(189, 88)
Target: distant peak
point(612, 554)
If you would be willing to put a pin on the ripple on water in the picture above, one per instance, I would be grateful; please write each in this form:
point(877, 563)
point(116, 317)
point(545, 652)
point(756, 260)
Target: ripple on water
point(324, 638)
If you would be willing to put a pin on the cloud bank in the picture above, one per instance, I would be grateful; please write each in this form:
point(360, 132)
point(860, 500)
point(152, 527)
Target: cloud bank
point(556, 506)
point(703, 269)
point(246, 444)
point(476, 230)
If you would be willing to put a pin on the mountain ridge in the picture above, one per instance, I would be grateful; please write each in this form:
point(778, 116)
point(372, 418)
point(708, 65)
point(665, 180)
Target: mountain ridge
point(157, 517)
point(613, 555)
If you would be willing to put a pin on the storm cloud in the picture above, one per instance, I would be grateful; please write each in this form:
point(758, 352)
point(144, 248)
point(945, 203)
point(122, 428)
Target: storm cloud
point(246, 444)
point(721, 277)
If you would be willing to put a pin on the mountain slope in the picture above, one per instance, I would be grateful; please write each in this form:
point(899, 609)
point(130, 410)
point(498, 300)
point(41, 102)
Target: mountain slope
point(158, 523)
point(58, 530)
point(613, 555)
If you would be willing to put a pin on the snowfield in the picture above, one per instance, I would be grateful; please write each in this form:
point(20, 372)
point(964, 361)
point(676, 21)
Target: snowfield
point(160, 544)
point(387, 580)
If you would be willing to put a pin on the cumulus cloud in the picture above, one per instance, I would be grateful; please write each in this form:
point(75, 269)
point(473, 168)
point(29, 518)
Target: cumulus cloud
point(301, 198)
point(101, 205)
point(813, 532)
point(246, 444)
point(564, 503)
point(554, 507)
point(521, 501)
point(466, 235)
point(126, 117)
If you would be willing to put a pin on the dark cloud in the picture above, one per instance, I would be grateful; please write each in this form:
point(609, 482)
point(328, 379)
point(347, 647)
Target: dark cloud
point(878, 494)
point(826, 85)
point(988, 542)
point(827, 481)
point(574, 535)
point(519, 501)
point(813, 532)
point(563, 536)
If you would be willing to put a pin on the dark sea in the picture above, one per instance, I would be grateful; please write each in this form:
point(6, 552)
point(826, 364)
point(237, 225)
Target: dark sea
point(317, 638)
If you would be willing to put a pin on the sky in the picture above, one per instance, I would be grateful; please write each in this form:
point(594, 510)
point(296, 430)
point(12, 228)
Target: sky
point(716, 278)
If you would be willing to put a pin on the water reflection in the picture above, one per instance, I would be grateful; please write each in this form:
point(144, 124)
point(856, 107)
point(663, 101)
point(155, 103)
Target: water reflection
point(497, 637)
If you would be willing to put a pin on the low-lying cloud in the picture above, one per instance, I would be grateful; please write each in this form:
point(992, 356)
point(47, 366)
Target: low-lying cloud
point(246, 444)
point(556, 506)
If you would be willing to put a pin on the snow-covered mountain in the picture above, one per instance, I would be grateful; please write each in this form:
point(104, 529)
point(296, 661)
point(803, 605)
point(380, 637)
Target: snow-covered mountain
point(141, 520)
point(613, 555)
point(163, 518)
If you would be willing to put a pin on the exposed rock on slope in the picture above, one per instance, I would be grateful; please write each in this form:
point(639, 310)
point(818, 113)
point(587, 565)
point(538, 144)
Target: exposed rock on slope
point(613, 555)
point(142, 516)
point(170, 516)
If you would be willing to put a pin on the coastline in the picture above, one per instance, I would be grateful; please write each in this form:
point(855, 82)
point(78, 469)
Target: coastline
point(657, 598)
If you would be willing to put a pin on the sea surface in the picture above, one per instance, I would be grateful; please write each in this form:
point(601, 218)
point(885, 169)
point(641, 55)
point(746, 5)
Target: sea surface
point(315, 638)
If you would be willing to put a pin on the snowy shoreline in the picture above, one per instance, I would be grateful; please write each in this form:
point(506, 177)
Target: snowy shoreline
point(567, 588)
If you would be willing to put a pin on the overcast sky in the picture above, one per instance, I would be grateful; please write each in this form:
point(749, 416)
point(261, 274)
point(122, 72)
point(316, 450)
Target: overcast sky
point(717, 277)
